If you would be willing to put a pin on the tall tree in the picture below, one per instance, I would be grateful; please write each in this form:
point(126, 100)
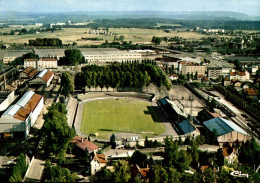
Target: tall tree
point(73, 57)
point(67, 83)
point(122, 172)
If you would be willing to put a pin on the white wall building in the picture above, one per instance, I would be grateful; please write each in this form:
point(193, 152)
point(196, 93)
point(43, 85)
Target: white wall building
point(20, 117)
point(41, 63)
point(109, 55)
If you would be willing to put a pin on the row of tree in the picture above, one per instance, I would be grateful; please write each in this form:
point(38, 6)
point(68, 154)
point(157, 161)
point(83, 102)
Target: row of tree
point(19, 169)
point(45, 42)
point(57, 134)
point(134, 75)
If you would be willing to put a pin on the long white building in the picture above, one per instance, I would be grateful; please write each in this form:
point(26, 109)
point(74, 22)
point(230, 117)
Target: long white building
point(20, 117)
point(93, 55)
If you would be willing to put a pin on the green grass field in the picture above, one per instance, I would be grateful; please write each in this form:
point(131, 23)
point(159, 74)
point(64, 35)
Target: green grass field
point(123, 115)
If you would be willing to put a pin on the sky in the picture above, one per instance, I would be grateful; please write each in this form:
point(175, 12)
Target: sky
point(250, 7)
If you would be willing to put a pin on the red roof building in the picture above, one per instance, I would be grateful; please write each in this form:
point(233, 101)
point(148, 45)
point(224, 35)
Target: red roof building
point(84, 144)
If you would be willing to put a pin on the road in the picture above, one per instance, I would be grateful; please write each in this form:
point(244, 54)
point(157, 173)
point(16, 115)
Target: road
point(35, 171)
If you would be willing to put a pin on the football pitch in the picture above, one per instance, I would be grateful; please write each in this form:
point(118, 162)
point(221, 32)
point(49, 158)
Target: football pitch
point(104, 117)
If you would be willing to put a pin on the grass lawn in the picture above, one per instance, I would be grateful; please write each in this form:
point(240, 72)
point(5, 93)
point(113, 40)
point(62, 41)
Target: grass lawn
point(123, 115)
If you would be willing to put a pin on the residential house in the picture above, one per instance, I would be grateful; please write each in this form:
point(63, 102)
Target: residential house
point(141, 173)
point(99, 161)
point(236, 83)
point(226, 81)
point(205, 81)
point(84, 146)
point(173, 77)
point(230, 154)
point(242, 76)
point(250, 92)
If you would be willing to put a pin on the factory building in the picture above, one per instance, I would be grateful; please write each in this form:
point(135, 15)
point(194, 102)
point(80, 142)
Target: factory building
point(19, 118)
point(43, 78)
point(227, 131)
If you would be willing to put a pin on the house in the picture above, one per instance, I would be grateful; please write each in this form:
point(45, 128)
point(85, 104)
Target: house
point(204, 167)
point(227, 131)
point(84, 145)
point(236, 83)
point(173, 77)
point(43, 78)
point(99, 161)
point(242, 76)
point(188, 129)
point(205, 81)
point(250, 92)
point(20, 117)
point(230, 154)
point(141, 173)
point(226, 81)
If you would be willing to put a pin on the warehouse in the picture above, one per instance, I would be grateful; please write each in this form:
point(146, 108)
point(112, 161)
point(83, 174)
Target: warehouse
point(13, 54)
point(43, 78)
point(19, 118)
point(227, 131)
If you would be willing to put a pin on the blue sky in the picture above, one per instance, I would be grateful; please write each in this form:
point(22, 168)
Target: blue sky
point(250, 7)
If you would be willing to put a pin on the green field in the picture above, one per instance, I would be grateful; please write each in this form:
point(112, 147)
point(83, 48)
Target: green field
point(105, 117)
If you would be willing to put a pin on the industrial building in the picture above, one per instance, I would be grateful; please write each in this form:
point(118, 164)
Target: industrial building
point(188, 129)
point(227, 131)
point(43, 78)
point(11, 55)
point(93, 55)
point(28, 73)
point(6, 98)
point(20, 117)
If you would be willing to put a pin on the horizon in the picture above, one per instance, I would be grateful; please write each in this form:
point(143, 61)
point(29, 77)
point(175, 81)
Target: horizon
point(249, 7)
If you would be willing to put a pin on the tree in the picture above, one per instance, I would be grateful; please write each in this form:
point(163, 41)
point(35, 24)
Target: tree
point(67, 83)
point(174, 176)
point(238, 65)
point(121, 38)
point(19, 169)
point(208, 176)
point(73, 57)
point(104, 175)
point(139, 158)
point(122, 172)
point(156, 40)
point(157, 174)
point(30, 55)
point(113, 141)
point(56, 173)
point(56, 130)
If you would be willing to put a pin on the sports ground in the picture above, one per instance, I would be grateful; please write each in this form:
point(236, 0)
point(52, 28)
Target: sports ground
point(104, 117)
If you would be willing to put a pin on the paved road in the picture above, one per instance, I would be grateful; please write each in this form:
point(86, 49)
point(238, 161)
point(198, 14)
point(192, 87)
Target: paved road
point(36, 171)
point(71, 108)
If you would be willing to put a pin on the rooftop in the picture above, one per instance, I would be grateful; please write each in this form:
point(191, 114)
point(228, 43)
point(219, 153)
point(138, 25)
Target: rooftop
point(222, 126)
point(100, 157)
point(186, 127)
point(84, 144)
point(24, 106)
